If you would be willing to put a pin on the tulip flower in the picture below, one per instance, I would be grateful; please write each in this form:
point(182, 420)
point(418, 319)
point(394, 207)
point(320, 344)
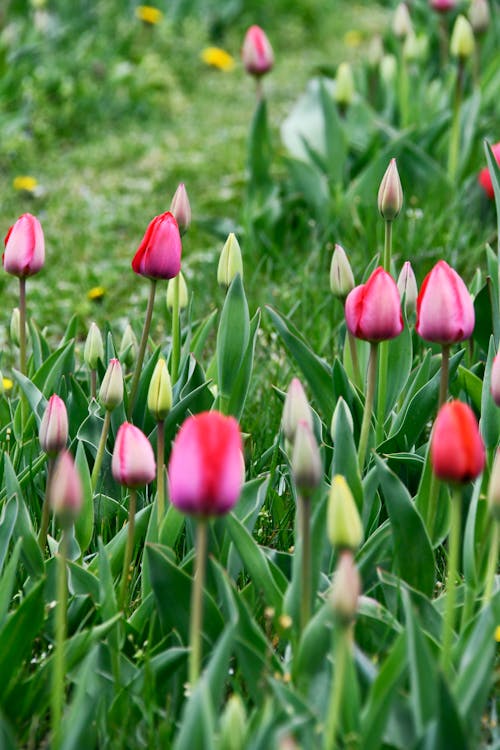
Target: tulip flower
point(407, 288)
point(93, 352)
point(462, 39)
point(401, 21)
point(373, 310)
point(230, 261)
point(295, 409)
point(462, 46)
point(484, 177)
point(442, 6)
point(344, 527)
point(159, 405)
point(110, 396)
point(479, 16)
point(341, 276)
point(183, 292)
point(344, 86)
point(257, 53)
point(390, 196)
point(181, 208)
point(65, 490)
point(495, 380)
point(53, 433)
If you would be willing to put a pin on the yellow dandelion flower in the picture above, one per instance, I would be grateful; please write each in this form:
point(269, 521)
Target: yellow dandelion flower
point(218, 58)
point(96, 293)
point(148, 14)
point(7, 384)
point(353, 38)
point(497, 634)
point(24, 182)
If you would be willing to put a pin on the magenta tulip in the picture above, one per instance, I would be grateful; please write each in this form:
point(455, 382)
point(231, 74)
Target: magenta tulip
point(206, 465)
point(24, 247)
point(445, 312)
point(373, 310)
point(457, 449)
point(53, 433)
point(484, 177)
point(133, 462)
point(257, 53)
point(159, 254)
point(65, 490)
point(443, 6)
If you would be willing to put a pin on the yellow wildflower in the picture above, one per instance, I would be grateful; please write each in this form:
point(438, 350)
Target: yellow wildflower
point(7, 384)
point(353, 38)
point(497, 634)
point(24, 182)
point(148, 14)
point(218, 58)
point(96, 293)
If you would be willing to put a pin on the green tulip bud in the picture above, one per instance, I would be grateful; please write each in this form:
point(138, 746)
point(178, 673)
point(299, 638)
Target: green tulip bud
point(233, 725)
point(346, 589)
point(307, 468)
point(183, 292)
point(462, 39)
point(296, 408)
point(341, 276)
point(341, 405)
point(111, 390)
point(128, 346)
point(160, 391)
point(15, 326)
point(401, 22)
point(94, 348)
point(390, 194)
point(230, 261)
point(494, 489)
point(344, 85)
point(388, 69)
point(479, 16)
point(345, 530)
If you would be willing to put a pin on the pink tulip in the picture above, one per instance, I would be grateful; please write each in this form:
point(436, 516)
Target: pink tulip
point(206, 465)
point(373, 310)
point(484, 177)
point(457, 449)
point(133, 462)
point(445, 312)
point(24, 247)
point(181, 208)
point(65, 490)
point(495, 380)
point(159, 254)
point(53, 432)
point(443, 6)
point(257, 53)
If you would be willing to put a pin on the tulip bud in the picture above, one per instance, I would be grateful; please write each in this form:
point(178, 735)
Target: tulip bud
point(111, 390)
point(412, 48)
point(15, 326)
point(133, 463)
point(53, 433)
point(390, 193)
point(128, 346)
point(373, 310)
point(345, 530)
point(495, 380)
point(230, 261)
point(341, 276)
point(375, 51)
point(24, 247)
point(160, 391)
point(344, 85)
point(346, 589)
point(65, 490)
point(233, 725)
point(462, 39)
point(181, 208)
point(484, 177)
point(2, 387)
point(407, 288)
point(479, 16)
point(307, 468)
point(401, 22)
point(341, 406)
point(295, 409)
point(494, 489)
point(94, 348)
point(183, 292)
point(257, 53)
point(159, 254)
point(445, 311)
point(442, 6)
point(388, 69)
point(457, 449)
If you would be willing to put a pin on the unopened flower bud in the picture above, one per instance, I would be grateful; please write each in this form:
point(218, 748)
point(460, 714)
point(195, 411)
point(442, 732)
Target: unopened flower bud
point(307, 468)
point(183, 292)
point(181, 208)
point(390, 193)
point(344, 85)
point(495, 380)
point(388, 69)
point(341, 407)
point(479, 16)
point(94, 347)
point(128, 346)
point(111, 390)
point(65, 490)
point(494, 488)
point(375, 51)
point(341, 276)
point(53, 433)
point(230, 261)
point(233, 725)
point(160, 391)
point(345, 530)
point(401, 22)
point(257, 53)
point(15, 326)
point(407, 288)
point(412, 48)
point(296, 408)
point(462, 39)
point(346, 589)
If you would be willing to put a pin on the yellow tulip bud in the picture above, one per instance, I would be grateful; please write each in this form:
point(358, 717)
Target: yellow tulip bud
point(462, 39)
point(344, 527)
point(160, 391)
point(230, 261)
point(183, 292)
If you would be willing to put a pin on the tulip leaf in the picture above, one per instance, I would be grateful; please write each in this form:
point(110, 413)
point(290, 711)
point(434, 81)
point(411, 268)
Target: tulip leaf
point(232, 337)
point(8, 519)
point(242, 382)
point(400, 357)
point(494, 170)
point(489, 423)
point(259, 150)
point(335, 140)
point(84, 524)
point(31, 554)
point(345, 458)
point(7, 581)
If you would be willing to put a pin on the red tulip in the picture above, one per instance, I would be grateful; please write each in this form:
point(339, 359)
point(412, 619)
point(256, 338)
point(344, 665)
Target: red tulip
point(206, 468)
point(53, 433)
point(457, 449)
point(484, 177)
point(24, 247)
point(133, 462)
point(445, 312)
point(65, 490)
point(257, 53)
point(159, 254)
point(443, 6)
point(373, 310)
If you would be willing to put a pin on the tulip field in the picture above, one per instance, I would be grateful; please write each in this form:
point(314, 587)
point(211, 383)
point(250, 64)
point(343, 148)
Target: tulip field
point(250, 375)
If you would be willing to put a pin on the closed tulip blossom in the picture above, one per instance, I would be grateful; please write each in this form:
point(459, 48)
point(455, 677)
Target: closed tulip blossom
point(373, 310)
point(24, 247)
point(443, 6)
point(65, 490)
point(133, 463)
point(257, 53)
point(495, 380)
point(159, 254)
point(53, 432)
point(457, 449)
point(484, 177)
point(445, 312)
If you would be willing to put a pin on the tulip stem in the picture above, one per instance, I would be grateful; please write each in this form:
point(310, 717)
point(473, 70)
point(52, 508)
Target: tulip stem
point(354, 358)
point(341, 652)
point(142, 348)
point(197, 601)
point(100, 450)
point(160, 460)
point(451, 590)
point(22, 324)
point(387, 246)
point(44, 524)
point(492, 565)
point(129, 548)
point(445, 369)
point(176, 339)
point(57, 693)
point(454, 144)
point(403, 92)
point(367, 414)
point(304, 505)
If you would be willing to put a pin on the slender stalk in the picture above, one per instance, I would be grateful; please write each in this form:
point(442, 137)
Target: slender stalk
point(176, 333)
point(127, 559)
point(305, 583)
point(492, 565)
point(387, 246)
point(403, 92)
point(354, 358)
point(444, 41)
point(367, 414)
point(100, 450)
point(454, 144)
point(432, 505)
point(57, 690)
point(434, 487)
point(22, 324)
point(197, 602)
point(259, 89)
point(451, 590)
point(468, 608)
point(384, 346)
point(142, 348)
point(341, 651)
point(44, 523)
point(93, 383)
point(445, 369)
point(160, 459)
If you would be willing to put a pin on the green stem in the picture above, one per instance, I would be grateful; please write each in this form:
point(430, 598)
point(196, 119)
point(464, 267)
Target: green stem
point(403, 92)
point(468, 608)
point(367, 414)
point(304, 504)
point(445, 369)
point(142, 348)
point(454, 144)
point(197, 602)
point(100, 450)
point(451, 590)
point(176, 331)
point(387, 246)
point(93, 383)
point(127, 559)
point(57, 693)
point(492, 564)
point(382, 389)
point(354, 358)
point(160, 481)
point(432, 505)
point(341, 651)
point(22, 324)
point(44, 524)
point(444, 41)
